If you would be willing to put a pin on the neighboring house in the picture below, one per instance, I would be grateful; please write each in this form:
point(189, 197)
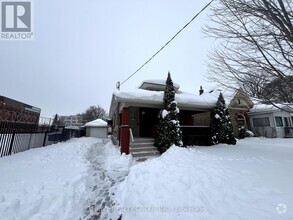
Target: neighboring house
point(18, 116)
point(265, 120)
point(271, 120)
point(135, 113)
point(238, 108)
point(72, 121)
point(97, 128)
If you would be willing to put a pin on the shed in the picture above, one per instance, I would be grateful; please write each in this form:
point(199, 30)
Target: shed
point(97, 128)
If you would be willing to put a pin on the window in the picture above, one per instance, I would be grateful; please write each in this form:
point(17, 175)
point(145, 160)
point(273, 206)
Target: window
point(287, 122)
point(279, 121)
point(241, 120)
point(261, 122)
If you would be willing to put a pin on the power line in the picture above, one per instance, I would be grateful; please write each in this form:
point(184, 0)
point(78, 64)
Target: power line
point(119, 84)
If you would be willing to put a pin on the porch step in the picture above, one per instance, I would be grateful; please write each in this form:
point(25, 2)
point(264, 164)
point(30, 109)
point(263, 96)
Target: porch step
point(145, 154)
point(142, 149)
point(143, 140)
point(142, 159)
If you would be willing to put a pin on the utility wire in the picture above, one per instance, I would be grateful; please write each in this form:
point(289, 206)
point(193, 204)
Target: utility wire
point(119, 84)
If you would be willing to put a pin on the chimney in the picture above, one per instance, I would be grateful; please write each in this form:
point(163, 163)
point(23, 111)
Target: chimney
point(201, 90)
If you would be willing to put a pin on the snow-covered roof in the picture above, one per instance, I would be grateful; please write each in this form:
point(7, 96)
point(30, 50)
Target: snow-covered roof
point(188, 100)
point(260, 107)
point(96, 123)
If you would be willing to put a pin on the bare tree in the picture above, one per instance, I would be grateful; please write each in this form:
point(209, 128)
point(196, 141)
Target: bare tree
point(255, 46)
point(94, 112)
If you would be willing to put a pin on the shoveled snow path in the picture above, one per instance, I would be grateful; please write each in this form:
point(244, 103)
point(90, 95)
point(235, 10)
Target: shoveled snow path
point(107, 173)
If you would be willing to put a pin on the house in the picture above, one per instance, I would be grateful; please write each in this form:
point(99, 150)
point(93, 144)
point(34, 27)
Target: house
point(238, 108)
point(271, 120)
point(134, 114)
point(264, 119)
point(97, 128)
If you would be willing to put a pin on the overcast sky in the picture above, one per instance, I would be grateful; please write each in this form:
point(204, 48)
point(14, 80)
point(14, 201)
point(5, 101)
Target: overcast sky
point(82, 48)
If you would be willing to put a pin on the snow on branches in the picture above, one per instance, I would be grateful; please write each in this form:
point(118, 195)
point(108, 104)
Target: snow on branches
point(169, 132)
point(221, 126)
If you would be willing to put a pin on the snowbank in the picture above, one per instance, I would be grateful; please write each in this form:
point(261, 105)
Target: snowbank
point(252, 180)
point(84, 178)
point(45, 183)
point(65, 181)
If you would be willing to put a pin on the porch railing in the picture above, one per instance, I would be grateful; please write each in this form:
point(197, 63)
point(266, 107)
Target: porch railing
point(131, 139)
point(288, 131)
point(196, 135)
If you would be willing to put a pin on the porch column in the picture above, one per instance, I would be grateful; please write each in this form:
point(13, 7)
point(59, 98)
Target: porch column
point(124, 131)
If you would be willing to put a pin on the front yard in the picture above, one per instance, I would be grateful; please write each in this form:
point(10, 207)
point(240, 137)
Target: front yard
point(251, 180)
point(85, 179)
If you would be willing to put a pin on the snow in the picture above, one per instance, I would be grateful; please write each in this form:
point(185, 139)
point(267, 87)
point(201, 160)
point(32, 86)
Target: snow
point(96, 123)
point(262, 107)
point(85, 179)
point(61, 181)
point(207, 100)
point(175, 122)
point(217, 116)
point(164, 113)
point(249, 133)
point(251, 180)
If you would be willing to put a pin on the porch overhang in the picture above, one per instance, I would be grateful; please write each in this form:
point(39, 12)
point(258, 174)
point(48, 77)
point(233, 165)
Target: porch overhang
point(154, 99)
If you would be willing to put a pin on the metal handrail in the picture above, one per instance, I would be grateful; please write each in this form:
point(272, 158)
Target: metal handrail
point(131, 139)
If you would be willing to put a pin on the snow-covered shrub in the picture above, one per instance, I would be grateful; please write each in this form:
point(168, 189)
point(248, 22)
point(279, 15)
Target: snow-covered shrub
point(169, 132)
point(221, 125)
point(244, 132)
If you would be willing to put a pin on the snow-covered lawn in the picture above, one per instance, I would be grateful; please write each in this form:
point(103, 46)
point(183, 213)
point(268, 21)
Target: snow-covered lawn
point(63, 181)
point(85, 179)
point(252, 180)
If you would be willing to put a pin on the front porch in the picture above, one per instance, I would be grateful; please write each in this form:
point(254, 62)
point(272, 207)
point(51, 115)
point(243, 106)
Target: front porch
point(140, 123)
point(143, 121)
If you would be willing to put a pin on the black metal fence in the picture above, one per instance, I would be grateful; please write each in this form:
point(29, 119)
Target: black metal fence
point(17, 137)
point(196, 135)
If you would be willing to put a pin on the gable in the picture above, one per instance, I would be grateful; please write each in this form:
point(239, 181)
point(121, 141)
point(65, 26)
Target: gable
point(241, 101)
